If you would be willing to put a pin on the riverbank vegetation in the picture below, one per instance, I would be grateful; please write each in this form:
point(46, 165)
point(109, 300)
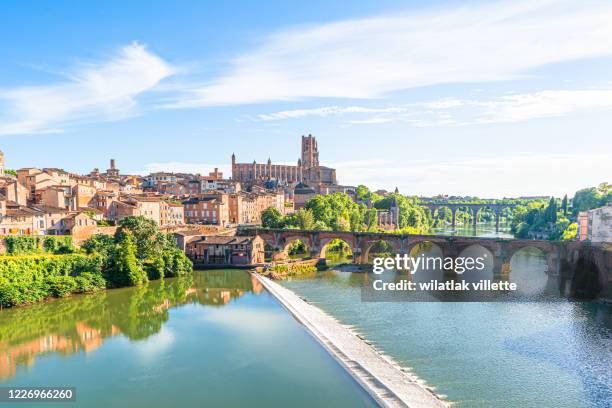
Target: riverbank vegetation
point(36, 268)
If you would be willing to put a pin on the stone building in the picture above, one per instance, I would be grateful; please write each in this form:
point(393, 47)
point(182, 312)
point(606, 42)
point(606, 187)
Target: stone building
point(595, 225)
point(388, 219)
point(307, 171)
point(226, 250)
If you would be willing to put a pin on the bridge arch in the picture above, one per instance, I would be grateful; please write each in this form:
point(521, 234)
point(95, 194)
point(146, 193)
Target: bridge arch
point(587, 279)
point(289, 241)
point(485, 252)
point(368, 245)
point(418, 247)
point(528, 269)
point(325, 243)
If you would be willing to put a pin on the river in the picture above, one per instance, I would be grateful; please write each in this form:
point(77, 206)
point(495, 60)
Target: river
point(215, 339)
point(547, 353)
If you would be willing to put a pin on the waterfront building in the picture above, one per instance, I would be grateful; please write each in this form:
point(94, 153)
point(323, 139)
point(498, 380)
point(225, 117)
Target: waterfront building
point(226, 250)
point(595, 225)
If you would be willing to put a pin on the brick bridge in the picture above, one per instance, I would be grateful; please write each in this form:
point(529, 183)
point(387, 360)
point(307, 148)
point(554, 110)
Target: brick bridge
point(563, 259)
point(475, 208)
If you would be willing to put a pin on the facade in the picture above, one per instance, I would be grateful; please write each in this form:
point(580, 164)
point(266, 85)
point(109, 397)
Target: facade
point(308, 170)
point(210, 209)
point(151, 207)
point(223, 250)
point(596, 225)
point(388, 219)
point(20, 220)
point(172, 214)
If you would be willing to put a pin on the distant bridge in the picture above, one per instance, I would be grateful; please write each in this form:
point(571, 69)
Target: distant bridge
point(474, 208)
point(563, 258)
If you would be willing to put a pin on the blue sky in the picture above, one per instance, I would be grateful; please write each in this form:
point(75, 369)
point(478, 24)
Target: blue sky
point(491, 99)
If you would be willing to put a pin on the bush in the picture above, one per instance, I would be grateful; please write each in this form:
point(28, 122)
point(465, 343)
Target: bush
point(31, 278)
point(27, 244)
point(60, 286)
point(89, 282)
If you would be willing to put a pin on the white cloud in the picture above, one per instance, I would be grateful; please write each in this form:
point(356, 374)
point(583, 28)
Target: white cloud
point(371, 57)
point(457, 112)
point(493, 173)
point(326, 111)
point(552, 103)
point(97, 91)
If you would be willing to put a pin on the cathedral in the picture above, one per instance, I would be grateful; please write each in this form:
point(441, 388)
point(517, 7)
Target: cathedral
point(308, 170)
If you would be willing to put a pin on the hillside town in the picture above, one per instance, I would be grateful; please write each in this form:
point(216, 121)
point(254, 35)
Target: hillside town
point(210, 208)
point(54, 201)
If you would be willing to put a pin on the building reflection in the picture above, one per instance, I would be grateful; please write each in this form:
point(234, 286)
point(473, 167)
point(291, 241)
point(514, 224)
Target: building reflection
point(82, 323)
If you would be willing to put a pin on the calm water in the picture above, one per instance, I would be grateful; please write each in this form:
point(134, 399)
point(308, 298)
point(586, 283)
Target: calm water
point(216, 339)
point(552, 353)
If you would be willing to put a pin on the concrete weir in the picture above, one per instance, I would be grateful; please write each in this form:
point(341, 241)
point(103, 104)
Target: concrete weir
point(383, 379)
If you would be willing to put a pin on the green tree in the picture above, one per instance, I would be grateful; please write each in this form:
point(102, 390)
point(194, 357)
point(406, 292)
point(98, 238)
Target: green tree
point(305, 219)
point(99, 243)
point(564, 205)
point(143, 231)
point(586, 199)
point(550, 213)
point(271, 217)
point(126, 269)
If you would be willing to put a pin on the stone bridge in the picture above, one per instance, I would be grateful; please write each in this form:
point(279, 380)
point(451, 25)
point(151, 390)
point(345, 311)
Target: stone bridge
point(562, 257)
point(474, 208)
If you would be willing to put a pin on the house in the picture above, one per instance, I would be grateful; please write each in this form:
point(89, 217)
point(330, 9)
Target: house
point(596, 225)
point(54, 217)
point(172, 213)
point(226, 250)
point(17, 219)
point(207, 209)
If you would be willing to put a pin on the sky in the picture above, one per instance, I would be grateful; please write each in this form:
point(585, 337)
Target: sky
point(481, 98)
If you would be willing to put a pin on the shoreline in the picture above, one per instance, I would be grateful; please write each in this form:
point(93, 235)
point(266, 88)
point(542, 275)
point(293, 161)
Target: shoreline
point(387, 383)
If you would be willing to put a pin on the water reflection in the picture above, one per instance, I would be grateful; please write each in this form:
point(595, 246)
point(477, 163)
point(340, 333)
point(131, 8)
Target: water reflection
point(82, 323)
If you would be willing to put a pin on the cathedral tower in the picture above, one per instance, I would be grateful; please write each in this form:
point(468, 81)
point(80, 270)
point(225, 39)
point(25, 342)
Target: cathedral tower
point(310, 152)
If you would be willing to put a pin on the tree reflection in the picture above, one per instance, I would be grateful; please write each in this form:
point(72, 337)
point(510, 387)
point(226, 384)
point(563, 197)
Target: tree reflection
point(82, 322)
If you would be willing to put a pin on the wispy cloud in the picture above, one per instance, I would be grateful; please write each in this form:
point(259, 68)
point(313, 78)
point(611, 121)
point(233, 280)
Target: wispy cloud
point(368, 58)
point(460, 112)
point(545, 104)
point(104, 90)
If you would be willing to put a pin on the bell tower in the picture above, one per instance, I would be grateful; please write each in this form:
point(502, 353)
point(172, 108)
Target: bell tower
point(310, 152)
